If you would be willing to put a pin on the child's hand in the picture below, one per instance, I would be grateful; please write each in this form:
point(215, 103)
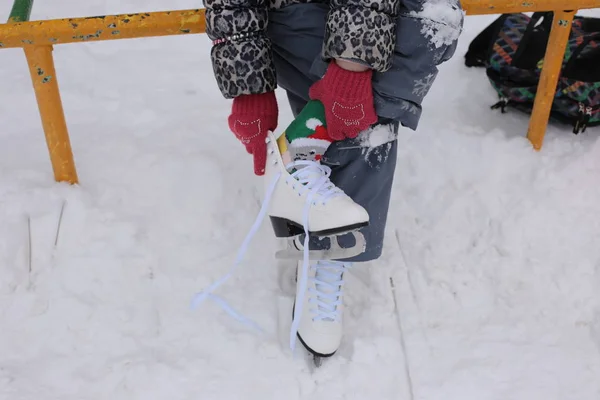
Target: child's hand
point(348, 100)
point(252, 117)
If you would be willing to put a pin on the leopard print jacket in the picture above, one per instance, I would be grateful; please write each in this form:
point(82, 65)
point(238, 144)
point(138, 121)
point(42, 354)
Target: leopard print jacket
point(241, 56)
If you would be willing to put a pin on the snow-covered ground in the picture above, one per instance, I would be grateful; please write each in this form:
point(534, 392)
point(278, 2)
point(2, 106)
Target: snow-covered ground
point(493, 249)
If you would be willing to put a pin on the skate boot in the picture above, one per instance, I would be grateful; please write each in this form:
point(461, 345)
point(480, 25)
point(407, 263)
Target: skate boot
point(319, 306)
point(304, 198)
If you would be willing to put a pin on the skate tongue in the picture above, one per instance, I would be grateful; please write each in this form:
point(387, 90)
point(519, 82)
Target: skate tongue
point(309, 171)
point(312, 175)
point(330, 279)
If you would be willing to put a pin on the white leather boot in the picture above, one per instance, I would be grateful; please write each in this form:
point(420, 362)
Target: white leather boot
point(304, 195)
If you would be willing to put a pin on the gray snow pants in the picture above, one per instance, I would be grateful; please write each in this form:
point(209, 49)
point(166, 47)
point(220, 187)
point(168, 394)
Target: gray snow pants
point(364, 173)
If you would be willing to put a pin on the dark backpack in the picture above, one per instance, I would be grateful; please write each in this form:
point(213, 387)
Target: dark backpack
point(512, 51)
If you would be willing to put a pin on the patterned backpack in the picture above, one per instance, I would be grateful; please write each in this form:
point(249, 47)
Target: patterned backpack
point(512, 51)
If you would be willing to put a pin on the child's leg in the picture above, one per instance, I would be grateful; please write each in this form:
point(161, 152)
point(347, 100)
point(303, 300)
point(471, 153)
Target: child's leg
point(365, 174)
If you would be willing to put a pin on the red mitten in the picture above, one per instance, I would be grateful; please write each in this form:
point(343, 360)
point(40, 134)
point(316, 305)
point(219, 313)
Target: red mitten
point(348, 100)
point(252, 117)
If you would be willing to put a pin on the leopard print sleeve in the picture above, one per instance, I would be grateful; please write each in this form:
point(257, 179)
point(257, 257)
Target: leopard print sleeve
point(363, 30)
point(241, 52)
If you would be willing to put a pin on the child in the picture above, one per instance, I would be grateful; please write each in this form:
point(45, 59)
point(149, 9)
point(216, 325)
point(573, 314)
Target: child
point(370, 63)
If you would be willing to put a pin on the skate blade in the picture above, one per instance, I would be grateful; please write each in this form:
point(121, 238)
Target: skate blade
point(318, 361)
point(284, 228)
point(335, 252)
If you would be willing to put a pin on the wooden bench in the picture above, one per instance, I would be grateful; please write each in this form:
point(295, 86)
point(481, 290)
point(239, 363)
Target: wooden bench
point(37, 39)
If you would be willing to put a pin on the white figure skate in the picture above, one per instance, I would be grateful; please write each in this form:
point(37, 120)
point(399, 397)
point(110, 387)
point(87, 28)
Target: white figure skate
point(300, 199)
point(319, 307)
point(304, 197)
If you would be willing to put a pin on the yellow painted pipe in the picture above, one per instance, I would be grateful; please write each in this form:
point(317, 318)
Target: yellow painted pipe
point(38, 36)
point(181, 22)
point(478, 7)
point(45, 83)
point(72, 30)
point(555, 52)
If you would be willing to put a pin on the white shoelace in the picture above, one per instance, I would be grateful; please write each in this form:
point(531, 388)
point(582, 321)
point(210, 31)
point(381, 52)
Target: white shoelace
point(312, 176)
point(328, 290)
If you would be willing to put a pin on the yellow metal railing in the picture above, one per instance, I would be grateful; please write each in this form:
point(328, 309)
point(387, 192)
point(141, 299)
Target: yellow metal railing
point(37, 38)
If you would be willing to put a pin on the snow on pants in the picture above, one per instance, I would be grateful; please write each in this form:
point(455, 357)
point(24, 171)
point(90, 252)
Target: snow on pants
point(365, 172)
